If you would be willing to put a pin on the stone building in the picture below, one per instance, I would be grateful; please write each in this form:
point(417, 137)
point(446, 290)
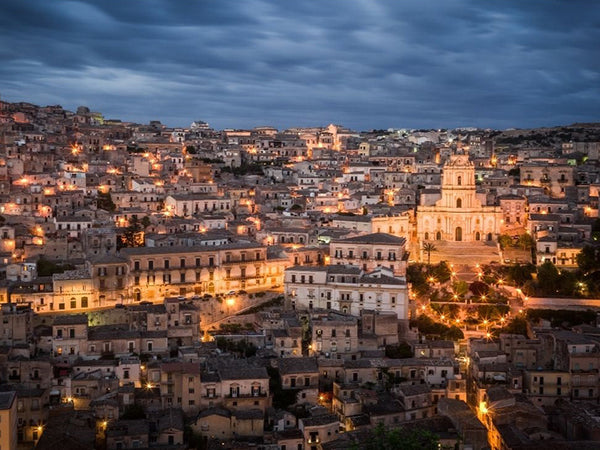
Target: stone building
point(457, 212)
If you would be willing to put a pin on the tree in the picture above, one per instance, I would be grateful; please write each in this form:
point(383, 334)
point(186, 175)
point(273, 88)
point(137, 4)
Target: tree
point(399, 351)
point(588, 259)
point(46, 268)
point(145, 222)
point(133, 412)
point(479, 288)
point(516, 326)
point(441, 272)
point(428, 247)
point(520, 274)
point(406, 438)
point(548, 278)
point(505, 241)
point(133, 235)
point(105, 201)
point(525, 241)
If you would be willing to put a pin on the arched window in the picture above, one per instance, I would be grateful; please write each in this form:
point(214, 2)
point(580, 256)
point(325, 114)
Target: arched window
point(459, 181)
point(459, 203)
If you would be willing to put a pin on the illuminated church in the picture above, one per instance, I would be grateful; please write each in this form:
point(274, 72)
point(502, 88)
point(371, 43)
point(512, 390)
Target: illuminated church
point(457, 212)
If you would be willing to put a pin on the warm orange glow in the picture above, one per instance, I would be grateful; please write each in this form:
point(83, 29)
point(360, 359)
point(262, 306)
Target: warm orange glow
point(483, 408)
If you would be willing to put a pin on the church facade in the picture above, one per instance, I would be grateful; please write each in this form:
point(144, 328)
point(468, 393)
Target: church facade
point(457, 212)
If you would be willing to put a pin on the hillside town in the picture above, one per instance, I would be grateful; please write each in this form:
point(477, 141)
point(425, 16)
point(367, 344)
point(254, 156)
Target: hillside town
point(302, 289)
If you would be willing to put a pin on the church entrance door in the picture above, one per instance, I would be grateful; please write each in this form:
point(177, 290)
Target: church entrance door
point(458, 234)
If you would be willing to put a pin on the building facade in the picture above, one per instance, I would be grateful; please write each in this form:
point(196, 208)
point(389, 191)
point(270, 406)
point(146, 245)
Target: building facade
point(457, 213)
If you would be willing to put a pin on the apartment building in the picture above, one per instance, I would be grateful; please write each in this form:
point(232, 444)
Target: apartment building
point(347, 289)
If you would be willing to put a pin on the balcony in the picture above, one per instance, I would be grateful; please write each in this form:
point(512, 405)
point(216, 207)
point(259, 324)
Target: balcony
point(247, 395)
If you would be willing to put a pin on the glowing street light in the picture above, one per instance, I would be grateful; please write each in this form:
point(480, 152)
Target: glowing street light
point(483, 408)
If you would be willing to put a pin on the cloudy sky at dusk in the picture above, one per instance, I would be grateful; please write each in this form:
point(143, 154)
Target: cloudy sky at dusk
point(360, 63)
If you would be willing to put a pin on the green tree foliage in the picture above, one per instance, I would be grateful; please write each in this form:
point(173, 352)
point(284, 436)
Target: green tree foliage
point(132, 236)
point(596, 230)
point(398, 351)
point(492, 310)
point(562, 317)
point(133, 412)
point(417, 276)
point(282, 398)
point(505, 241)
point(525, 241)
point(104, 201)
point(429, 327)
point(548, 279)
point(46, 268)
point(145, 222)
point(441, 272)
point(588, 259)
point(460, 287)
point(242, 348)
point(401, 439)
point(519, 274)
point(479, 288)
point(428, 247)
point(516, 326)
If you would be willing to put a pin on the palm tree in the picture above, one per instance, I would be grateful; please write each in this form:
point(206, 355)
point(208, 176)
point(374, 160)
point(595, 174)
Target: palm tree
point(429, 247)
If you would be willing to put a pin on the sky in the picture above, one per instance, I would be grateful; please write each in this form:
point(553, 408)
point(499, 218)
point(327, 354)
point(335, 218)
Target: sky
point(363, 64)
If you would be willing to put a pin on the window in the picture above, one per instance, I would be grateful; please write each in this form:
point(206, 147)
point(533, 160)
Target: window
point(73, 303)
point(84, 302)
point(459, 203)
point(166, 264)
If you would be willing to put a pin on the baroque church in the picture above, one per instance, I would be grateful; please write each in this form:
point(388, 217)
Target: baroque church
point(457, 212)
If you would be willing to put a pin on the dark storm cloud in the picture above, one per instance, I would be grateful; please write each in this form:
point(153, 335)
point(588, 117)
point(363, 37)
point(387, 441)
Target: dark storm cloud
point(362, 63)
